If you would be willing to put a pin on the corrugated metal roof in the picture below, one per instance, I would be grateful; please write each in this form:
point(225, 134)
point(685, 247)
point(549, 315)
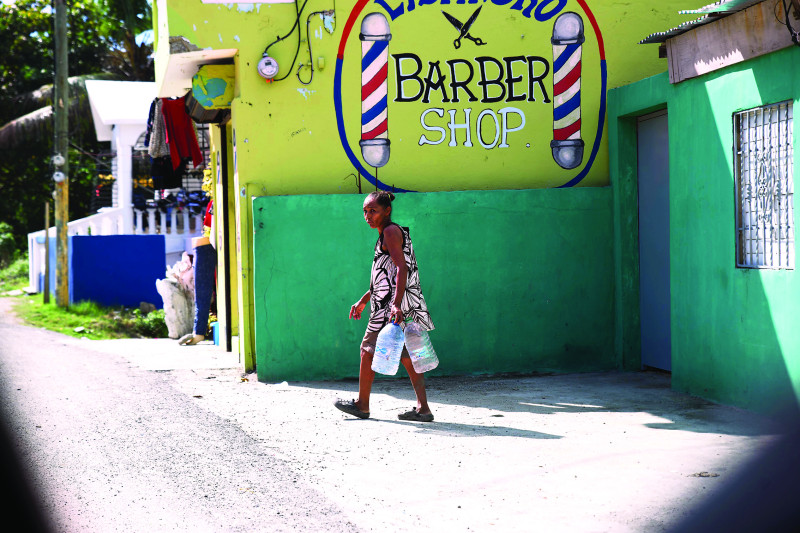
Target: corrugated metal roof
point(722, 6)
point(711, 12)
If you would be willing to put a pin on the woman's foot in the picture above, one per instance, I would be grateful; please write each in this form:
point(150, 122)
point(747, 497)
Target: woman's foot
point(415, 416)
point(190, 339)
point(350, 407)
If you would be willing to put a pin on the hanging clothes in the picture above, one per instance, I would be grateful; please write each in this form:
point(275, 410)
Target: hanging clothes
point(157, 145)
point(180, 134)
point(164, 176)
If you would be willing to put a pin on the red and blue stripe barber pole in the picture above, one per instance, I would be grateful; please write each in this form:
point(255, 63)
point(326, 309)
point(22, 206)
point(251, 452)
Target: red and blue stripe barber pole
point(375, 39)
point(568, 37)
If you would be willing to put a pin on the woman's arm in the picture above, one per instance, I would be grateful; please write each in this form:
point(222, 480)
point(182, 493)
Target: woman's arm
point(393, 240)
point(358, 307)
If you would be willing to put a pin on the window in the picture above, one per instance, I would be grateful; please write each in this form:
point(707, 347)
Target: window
point(763, 168)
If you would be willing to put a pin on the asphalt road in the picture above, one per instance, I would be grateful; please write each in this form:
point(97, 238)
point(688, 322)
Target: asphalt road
point(147, 436)
point(110, 447)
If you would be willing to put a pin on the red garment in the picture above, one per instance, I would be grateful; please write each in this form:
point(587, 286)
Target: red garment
point(209, 213)
point(181, 139)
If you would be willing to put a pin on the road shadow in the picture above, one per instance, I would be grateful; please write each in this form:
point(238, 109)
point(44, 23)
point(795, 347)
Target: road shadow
point(554, 394)
point(454, 429)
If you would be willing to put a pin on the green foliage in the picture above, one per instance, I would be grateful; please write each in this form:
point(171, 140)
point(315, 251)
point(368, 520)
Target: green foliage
point(88, 319)
point(102, 44)
point(15, 275)
point(7, 244)
point(26, 37)
point(151, 324)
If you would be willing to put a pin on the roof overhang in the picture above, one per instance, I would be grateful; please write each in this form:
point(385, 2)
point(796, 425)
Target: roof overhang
point(105, 98)
point(174, 71)
point(710, 13)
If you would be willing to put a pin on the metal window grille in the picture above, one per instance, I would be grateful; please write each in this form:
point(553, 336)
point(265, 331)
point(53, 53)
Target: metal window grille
point(764, 187)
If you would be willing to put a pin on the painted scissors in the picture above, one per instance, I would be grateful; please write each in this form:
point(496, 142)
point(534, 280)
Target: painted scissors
point(464, 28)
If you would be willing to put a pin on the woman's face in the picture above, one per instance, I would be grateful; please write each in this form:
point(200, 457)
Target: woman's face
point(375, 214)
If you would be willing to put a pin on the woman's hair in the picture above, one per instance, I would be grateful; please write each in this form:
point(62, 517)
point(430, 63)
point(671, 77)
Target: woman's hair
point(384, 198)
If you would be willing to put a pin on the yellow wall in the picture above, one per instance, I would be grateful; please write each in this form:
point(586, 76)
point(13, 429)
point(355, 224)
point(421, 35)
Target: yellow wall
point(288, 138)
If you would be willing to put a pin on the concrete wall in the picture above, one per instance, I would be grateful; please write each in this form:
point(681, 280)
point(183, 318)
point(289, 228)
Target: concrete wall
point(735, 332)
point(516, 281)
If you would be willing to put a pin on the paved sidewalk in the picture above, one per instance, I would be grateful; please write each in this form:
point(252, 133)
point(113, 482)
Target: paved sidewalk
point(575, 453)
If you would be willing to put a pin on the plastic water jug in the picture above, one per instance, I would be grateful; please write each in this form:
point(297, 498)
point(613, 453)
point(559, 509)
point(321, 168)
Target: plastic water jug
point(418, 344)
point(388, 349)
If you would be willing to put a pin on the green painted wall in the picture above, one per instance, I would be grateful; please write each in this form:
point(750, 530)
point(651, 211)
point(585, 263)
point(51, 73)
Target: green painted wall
point(516, 281)
point(735, 332)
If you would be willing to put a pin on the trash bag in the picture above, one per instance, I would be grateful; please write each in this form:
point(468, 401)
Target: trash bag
point(178, 308)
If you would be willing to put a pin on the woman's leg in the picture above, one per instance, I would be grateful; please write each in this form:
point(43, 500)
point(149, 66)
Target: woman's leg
point(365, 378)
point(418, 382)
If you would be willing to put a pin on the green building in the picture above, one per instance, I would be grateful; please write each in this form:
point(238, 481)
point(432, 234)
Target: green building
point(712, 182)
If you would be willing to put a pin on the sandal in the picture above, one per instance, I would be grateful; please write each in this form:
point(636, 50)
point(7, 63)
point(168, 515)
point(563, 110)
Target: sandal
point(415, 416)
point(349, 407)
point(190, 339)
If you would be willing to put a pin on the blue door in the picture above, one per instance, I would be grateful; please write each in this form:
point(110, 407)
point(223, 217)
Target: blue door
point(654, 289)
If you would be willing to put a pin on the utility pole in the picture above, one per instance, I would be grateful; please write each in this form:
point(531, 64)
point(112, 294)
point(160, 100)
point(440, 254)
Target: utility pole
point(46, 288)
point(61, 155)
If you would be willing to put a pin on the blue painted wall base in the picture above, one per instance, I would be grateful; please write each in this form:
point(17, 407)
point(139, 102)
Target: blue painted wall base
point(113, 270)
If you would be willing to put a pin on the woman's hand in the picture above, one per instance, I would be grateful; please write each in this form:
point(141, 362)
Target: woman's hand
point(396, 315)
point(356, 309)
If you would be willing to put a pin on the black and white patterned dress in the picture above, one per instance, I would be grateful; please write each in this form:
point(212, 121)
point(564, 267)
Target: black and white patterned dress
point(383, 281)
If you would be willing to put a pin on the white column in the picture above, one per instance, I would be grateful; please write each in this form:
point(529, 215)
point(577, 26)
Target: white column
point(125, 137)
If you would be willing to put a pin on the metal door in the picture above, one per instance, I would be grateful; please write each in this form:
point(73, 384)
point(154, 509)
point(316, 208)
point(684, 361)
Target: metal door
point(654, 288)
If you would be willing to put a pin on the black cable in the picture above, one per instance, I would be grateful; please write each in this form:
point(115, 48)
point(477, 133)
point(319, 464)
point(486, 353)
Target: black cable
point(787, 6)
point(296, 24)
point(308, 39)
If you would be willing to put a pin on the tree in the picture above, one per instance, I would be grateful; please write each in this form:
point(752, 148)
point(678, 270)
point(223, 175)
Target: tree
point(102, 45)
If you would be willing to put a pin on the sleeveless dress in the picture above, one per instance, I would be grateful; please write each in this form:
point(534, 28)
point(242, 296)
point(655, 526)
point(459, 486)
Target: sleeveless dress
point(383, 281)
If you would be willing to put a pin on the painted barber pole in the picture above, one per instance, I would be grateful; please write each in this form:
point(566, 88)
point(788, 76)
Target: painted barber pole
point(567, 40)
point(375, 38)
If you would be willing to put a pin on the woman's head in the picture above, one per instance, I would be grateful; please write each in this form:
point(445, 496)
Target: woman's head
point(378, 209)
point(384, 198)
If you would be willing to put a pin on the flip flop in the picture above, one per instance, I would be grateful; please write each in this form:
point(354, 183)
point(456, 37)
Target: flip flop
point(414, 416)
point(349, 407)
point(190, 339)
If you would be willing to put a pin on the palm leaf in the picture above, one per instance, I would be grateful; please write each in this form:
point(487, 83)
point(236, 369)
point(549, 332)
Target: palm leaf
point(36, 124)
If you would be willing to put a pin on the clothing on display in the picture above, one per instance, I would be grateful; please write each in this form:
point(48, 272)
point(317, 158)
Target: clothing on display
point(164, 176)
point(205, 264)
point(181, 137)
point(156, 136)
point(171, 141)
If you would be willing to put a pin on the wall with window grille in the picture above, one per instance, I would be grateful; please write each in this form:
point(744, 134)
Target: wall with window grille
point(734, 290)
point(764, 172)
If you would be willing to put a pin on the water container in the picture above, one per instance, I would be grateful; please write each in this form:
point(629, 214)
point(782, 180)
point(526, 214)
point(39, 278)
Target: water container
point(388, 349)
point(418, 344)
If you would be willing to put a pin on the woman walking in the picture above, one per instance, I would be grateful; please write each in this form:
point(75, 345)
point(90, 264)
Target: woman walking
point(394, 295)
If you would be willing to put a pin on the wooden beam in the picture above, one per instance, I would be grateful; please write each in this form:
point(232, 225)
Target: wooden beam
point(750, 33)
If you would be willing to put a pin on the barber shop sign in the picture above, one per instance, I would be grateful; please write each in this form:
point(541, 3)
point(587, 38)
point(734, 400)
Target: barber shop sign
point(510, 86)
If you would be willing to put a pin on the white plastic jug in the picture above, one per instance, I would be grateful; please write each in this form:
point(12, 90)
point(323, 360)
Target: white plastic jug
point(388, 349)
point(418, 344)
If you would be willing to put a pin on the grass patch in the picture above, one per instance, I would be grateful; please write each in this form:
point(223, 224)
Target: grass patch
point(15, 275)
point(88, 319)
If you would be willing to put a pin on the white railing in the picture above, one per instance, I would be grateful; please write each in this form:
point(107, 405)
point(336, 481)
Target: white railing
point(178, 230)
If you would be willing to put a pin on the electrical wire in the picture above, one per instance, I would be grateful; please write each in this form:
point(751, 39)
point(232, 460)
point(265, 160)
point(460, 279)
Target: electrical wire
point(787, 7)
point(299, 11)
point(310, 63)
